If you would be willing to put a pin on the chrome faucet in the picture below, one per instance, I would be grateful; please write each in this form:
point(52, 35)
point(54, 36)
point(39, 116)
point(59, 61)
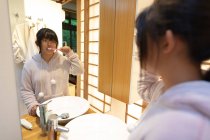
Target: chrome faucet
point(43, 119)
point(49, 123)
point(53, 127)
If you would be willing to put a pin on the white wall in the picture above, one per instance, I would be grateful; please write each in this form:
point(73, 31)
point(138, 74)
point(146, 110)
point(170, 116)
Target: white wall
point(51, 13)
point(17, 16)
point(9, 118)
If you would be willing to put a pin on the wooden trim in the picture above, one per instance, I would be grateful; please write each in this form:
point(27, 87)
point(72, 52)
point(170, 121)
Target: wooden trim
point(92, 53)
point(62, 1)
point(86, 48)
point(138, 105)
point(132, 117)
point(103, 101)
point(96, 108)
point(92, 85)
point(94, 4)
point(94, 41)
point(94, 30)
point(92, 75)
point(78, 43)
point(126, 113)
point(69, 10)
point(92, 64)
point(95, 97)
point(94, 17)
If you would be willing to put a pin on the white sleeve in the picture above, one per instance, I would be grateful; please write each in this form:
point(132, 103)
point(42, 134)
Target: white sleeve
point(76, 67)
point(26, 90)
point(178, 126)
point(150, 86)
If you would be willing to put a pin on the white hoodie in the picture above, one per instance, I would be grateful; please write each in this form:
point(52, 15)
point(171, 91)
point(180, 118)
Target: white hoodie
point(37, 77)
point(181, 113)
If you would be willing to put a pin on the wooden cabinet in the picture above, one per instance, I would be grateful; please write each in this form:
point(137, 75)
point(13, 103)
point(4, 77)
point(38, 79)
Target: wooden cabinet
point(117, 20)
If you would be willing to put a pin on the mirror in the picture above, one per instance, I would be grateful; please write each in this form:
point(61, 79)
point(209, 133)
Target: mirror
point(49, 13)
point(40, 13)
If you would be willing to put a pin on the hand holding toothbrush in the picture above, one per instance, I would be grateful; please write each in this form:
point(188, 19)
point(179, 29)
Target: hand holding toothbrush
point(65, 49)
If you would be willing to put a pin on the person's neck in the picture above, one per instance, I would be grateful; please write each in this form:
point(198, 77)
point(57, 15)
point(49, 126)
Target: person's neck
point(177, 74)
point(47, 57)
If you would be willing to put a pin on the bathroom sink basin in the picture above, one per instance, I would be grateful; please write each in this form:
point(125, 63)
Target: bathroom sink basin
point(95, 127)
point(73, 105)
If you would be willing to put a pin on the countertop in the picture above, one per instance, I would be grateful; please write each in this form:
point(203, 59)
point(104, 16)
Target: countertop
point(36, 132)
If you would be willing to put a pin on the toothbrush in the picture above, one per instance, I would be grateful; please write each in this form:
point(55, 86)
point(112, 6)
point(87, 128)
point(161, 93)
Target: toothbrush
point(52, 49)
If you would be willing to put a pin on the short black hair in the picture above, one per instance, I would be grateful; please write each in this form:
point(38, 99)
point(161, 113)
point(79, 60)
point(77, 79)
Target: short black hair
point(45, 33)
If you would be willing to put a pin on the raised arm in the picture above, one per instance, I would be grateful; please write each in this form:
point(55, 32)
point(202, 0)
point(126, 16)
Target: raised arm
point(76, 67)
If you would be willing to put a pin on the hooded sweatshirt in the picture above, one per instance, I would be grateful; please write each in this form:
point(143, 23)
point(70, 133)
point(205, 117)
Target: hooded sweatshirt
point(181, 113)
point(49, 78)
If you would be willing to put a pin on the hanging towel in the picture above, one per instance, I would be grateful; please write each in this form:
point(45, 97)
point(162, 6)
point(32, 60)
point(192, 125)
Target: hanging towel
point(19, 37)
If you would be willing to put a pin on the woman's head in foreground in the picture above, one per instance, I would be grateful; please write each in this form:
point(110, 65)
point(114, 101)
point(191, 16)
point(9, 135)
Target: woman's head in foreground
point(174, 29)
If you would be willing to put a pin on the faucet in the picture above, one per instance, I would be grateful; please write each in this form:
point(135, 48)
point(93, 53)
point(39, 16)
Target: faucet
point(54, 128)
point(49, 123)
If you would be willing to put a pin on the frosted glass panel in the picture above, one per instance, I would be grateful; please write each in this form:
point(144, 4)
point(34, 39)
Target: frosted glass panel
point(82, 26)
point(82, 37)
point(94, 23)
point(134, 110)
point(82, 57)
point(82, 47)
point(82, 85)
point(96, 103)
point(131, 121)
point(82, 77)
point(107, 108)
point(94, 47)
point(82, 93)
point(93, 80)
point(94, 35)
point(140, 102)
point(82, 4)
point(108, 99)
point(93, 59)
point(94, 91)
point(93, 70)
point(94, 109)
point(82, 16)
point(94, 10)
point(93, 1)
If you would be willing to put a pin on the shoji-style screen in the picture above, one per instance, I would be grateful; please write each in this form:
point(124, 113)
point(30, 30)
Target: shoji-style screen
point(89, 44)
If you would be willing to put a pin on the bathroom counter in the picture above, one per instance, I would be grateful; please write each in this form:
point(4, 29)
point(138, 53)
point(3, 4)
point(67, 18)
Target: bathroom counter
point(36, 132)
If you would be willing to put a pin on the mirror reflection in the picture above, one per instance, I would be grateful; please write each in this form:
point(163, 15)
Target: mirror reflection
point(26, 21)
point(75, 24)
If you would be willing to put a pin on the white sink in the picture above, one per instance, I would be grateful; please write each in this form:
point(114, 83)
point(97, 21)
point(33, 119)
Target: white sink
point(73, 105)
point(95, 127)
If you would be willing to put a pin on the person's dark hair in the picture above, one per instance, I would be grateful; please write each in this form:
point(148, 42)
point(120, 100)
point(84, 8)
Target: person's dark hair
point(141, 39)
point(45, 33)
point(187, 19)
